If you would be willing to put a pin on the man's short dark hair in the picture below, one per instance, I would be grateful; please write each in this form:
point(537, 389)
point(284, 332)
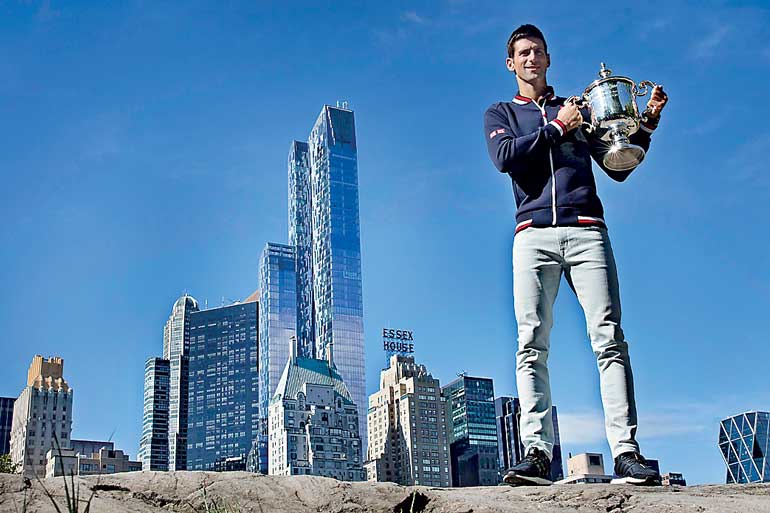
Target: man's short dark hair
point(525, 32)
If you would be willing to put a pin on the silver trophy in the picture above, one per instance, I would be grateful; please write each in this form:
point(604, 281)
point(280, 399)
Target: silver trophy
point(615, 116)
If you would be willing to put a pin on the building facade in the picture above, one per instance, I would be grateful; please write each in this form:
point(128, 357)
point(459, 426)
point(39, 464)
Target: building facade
point(586, 468)
point(314, 422)
point(473, 431)
point(176, 341)
point(42, 415)
point(325, 226)
point(408, 419)
point(89, 447)
point(277, 328)
point(105, 461)
point(744, 443)
point(510, 447)
point(223, 406)
point(673, 479)
point(6, 423)
point(301, 239)
point(153, 446)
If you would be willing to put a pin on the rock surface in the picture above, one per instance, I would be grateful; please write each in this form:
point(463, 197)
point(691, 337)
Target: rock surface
point(190, 492)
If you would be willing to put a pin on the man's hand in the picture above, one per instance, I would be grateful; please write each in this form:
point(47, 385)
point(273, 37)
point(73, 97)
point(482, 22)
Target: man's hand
point(658, 100)
point(570, 115)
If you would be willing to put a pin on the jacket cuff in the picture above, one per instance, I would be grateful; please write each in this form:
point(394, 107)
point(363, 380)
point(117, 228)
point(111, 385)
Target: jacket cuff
point(556, 129)
point(648, 124)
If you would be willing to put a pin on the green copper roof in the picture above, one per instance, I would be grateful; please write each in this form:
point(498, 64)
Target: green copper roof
point(309, 370)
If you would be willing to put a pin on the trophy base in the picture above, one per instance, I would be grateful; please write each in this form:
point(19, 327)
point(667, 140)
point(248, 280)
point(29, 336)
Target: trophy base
point(623, 157)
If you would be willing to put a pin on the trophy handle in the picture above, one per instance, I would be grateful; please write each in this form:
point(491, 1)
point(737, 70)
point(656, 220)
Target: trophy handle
point(582, 103)
point(641, 87)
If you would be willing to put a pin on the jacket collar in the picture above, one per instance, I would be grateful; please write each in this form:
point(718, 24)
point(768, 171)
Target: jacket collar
point(523, 100)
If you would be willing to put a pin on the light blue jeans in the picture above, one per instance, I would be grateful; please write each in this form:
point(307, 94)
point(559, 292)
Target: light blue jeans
point(584, 255)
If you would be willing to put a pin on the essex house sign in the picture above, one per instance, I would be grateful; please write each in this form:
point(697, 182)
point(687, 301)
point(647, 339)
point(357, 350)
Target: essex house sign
point(397, 341)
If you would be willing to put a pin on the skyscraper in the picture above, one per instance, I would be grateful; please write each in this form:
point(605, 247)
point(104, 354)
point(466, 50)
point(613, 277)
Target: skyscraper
point(510, 448)
point(324, 222)
point(42, 412)
point(223, 409)
point(301, 239)
point(408, 427)
point(473, 434)
point(6, 423)
point(176, 340)
point(153, 446)
point(745, 446)
point(277, 327)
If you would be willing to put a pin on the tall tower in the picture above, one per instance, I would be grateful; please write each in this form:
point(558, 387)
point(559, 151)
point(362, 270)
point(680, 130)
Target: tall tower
point(42, 411)
point(223, 411)
point(408, 427)
point(323, 180)
point(176, 343)
point(744, 441)
point(301, 238)
point(6, 423)
point(277, 327)
point(473, 433)
point(153, 446)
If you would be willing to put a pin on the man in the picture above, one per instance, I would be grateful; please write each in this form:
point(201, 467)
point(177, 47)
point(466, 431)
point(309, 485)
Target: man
point(538, 141)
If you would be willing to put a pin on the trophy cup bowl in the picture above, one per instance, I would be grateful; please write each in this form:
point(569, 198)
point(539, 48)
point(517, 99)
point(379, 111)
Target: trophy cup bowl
point(615, 117)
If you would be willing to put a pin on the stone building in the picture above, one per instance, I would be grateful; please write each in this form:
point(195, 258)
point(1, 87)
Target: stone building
point(42, 412)
point(313, 422)
point(585, 468)
point(105, 461)
point(408, 427)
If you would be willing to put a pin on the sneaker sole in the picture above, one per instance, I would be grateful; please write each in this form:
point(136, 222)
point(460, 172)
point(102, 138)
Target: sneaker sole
point(636, 481)
point(517, 480)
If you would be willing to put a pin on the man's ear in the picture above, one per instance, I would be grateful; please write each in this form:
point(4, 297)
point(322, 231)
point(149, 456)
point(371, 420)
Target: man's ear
point(548, 60)
point(509, 65)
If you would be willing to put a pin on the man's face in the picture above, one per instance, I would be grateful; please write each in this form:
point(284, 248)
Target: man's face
point(529, 61)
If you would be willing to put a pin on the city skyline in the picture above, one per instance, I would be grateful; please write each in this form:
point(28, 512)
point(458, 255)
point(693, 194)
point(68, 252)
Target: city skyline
point(139, 165)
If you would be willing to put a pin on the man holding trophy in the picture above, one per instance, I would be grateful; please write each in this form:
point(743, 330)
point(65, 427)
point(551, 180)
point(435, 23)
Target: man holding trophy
point(545, 143)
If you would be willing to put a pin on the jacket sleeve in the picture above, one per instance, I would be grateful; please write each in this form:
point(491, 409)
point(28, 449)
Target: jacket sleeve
point(641, 138)
point(514, 155)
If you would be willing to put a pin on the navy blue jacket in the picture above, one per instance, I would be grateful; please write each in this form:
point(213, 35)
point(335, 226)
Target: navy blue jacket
point(551, 170)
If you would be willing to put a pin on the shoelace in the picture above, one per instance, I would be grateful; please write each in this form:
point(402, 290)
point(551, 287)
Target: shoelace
point(628, 460)
point(538, 460)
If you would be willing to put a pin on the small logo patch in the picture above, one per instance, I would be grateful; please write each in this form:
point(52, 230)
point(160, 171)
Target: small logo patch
point(493, 133)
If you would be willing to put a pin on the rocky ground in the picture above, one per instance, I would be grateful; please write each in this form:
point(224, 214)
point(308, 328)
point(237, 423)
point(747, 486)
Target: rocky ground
point(240, 492)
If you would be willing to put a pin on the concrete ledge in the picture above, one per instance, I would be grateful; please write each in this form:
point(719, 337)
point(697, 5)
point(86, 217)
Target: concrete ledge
point(139, 492)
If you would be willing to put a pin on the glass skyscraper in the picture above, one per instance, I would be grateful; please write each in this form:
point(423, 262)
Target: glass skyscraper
point(153, 446)
point(223, 407)
point(327, 168)
point(744, 443)
point(176, 341)
point(6, 421)
point(301, 238)
point(277, 326)
point(473, 431)
point(510, 448)
point(311, 288)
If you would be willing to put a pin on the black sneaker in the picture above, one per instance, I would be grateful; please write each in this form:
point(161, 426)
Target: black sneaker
point(632, 468)
point(533, 470)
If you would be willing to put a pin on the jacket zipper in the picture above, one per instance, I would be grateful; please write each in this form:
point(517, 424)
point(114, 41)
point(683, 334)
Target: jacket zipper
point(553, 176)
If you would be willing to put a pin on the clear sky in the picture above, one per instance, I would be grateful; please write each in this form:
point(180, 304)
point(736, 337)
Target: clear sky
point(143, 149)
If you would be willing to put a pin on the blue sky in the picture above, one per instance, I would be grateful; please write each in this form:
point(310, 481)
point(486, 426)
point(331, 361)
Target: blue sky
point(143, 154)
